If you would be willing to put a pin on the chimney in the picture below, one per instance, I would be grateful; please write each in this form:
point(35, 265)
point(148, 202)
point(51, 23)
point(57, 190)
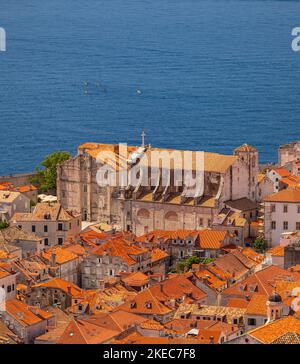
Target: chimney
point(101, 285)
point(205, 280)
point(69, 290)
point(161, 287)
point(53, 258)
point(173, 302)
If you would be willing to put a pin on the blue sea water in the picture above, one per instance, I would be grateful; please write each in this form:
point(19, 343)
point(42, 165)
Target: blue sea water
point(213, 74)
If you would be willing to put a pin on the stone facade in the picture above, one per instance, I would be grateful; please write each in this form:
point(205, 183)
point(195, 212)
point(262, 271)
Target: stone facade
point(51, 222)
point(142, 209)
point(289, 153)
point(106, 261)
point(12, 202)
point(282, 215)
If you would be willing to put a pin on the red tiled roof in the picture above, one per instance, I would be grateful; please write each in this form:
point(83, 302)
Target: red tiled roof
point(120, 248)
point(158, 254)
point(83, 332)
point(288, 195)
point(25, 314)
point(62, 285)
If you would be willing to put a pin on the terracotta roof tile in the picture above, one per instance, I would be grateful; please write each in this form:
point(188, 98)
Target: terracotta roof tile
point(136, 279)
point(274, 330)
point(62, 285)
point(24, 314)
point(277, 251)
point(62, 255)
point(257, 305)
point(120, 248)
point(83, 332)
point(288, 195)
point(158, 254)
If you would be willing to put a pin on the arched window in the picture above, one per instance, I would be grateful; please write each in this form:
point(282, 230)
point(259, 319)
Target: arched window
point(172, 216)
point(143, 213)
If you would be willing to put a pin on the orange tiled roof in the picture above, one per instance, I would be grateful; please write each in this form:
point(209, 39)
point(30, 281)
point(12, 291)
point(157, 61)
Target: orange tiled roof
point(282, 172)
point(257, 305)
point(206, 239)
point(158, 236)
point(62, 285)
point(136, 279)
point(4, 273)
point(213, 162)
point(145, 302)
point(25, 315)
point(286, 290)
point(288, 195)
point(231, 265)
point(53, 211)
point(270, 332)
point(158, 254)
point(76, 249)
point(237, 302)
point(291, 181)
point(138, 339)
point(62, 255)
point(253, 255)
point(277, 251)
point(177, 286)
point(120, 248)
point(83, 332)
point(205, 336)
point(295, 268)
point(212, 239)
point(261, 282)
point(212, 281)
point(118, 320)
point(151, 325)
point(25, 188)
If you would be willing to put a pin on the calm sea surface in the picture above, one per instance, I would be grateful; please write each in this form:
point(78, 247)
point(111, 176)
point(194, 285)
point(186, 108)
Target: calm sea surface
point(211, 74)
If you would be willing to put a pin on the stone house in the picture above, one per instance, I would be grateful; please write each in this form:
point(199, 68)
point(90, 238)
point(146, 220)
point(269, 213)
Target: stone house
point(289, 153)
point(111, 258)
point(281, 215)
point(25, 321)
point(51, 222)
point(182, 244)
point(8, 284)
point(63, 264)
point(265, 187)
point(28, 242)
point(55, 292)
point(12, 202)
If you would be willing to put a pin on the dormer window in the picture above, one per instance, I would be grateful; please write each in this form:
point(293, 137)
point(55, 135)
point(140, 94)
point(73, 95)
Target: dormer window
point(148, 305)
point(242, 287)
point(133, 305)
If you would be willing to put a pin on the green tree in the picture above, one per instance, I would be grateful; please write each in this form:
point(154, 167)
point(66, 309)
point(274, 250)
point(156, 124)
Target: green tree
point(186, 264)
point(260, 244)
point(4, 225)
point(46, 174)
